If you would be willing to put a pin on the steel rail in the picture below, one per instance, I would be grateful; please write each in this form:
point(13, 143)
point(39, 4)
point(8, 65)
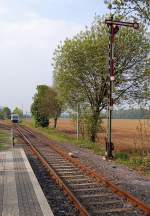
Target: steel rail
point(82, 211)
point(100, 179)
point(92, 173)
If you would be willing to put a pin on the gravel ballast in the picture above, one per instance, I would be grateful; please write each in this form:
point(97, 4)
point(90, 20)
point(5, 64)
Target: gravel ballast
point(56, 199)
point(125, 178)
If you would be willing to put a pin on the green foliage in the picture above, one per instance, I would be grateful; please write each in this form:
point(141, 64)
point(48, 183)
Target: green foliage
point(42, 121)
point(87, 124)
point(45, 105)
point(135, 8)
point(121, 156)
point(1, 115)
point(134, 160)
point(39, 108)
point(18, 111)
point(81, 67)
point(5, 113)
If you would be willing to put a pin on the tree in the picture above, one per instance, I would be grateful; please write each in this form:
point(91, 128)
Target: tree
point(45, 105)
point(1, 115)
point(6, 113)
point(55, 105)
point(39, 108)
point(136, 8)
point(18, 111)
point(81, 67)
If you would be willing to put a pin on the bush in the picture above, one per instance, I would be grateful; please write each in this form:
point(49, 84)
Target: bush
point(42, 121)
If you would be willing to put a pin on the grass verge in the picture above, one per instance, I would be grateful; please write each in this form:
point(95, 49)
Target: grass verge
point(134, 161)
point(58, 136)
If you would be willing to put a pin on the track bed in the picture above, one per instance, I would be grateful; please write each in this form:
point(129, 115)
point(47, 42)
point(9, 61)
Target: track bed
point(90, 194)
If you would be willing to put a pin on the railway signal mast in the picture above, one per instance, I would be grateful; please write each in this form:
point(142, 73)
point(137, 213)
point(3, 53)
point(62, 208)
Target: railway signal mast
point(113, 26)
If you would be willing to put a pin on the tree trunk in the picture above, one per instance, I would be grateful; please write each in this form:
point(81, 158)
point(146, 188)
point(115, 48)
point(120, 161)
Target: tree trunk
point(55, 122)
point(94, 124)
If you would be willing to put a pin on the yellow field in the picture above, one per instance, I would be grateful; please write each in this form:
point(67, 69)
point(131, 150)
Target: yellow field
point(126, 134)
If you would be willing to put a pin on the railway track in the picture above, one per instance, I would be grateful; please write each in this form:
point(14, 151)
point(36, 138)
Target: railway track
point(92, 194)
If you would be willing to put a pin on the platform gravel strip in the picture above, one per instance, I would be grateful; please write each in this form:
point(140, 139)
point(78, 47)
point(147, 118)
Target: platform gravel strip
point(10, 199)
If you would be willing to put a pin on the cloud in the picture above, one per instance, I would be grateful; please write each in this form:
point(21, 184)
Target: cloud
point(30, 30)
point(26, 49)
point(36, 32)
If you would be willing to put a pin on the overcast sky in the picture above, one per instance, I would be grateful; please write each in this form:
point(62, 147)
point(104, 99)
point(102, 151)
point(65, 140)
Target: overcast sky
point(30, 30)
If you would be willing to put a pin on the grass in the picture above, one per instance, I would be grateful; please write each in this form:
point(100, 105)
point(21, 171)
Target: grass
point(54, 135)
point(4, 139)
point(134, 161)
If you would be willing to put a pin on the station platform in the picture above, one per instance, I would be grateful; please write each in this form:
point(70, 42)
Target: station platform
point(20, 192)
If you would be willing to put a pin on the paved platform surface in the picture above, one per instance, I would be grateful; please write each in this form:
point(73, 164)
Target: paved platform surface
point(20, 192)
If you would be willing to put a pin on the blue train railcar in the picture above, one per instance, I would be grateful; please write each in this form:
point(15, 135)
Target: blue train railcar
point(15, 118)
